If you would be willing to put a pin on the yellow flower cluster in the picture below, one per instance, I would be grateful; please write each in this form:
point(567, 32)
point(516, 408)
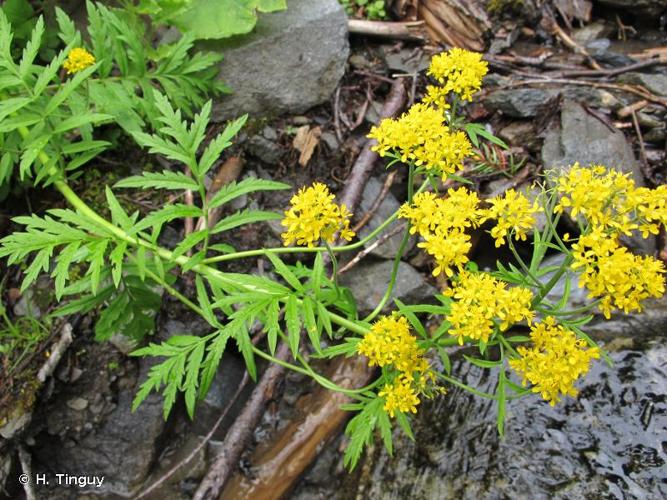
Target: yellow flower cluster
point(77, 60)
point(442, 223)
point(399, 395)
point(313, 215)
point(612, 206)
point(390, 342)
point(421, 136)
point(513, 212)
point(609, 199)
point(609, 271)
point(459, 71)
point(482, 302)
point(556, 360)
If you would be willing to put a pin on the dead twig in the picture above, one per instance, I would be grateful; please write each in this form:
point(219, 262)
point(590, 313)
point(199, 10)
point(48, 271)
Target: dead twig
point(361, 171)
point(569, 42)
point(642, 150)
point(339, 135)
point(607, 73)
point(24, 458)
point(229, 172)
point(56, 353)
point(378, 201)
point(377, 243)
point(412, 31)
point(241, 430)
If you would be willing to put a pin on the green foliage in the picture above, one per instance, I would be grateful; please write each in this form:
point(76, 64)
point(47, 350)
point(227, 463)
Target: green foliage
point(368, 9)
point(210, 19)
point(47, 115)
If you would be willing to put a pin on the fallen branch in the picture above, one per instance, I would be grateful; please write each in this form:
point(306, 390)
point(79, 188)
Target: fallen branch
point(379, 242)
point(56, 353)
point(361, 171)
point(239, 433)
point(229, 172)
point(412, 31)
point(378, 201)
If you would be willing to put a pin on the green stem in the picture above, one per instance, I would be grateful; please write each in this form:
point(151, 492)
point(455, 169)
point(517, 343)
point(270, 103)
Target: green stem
point(465, 387)
point(522, 264)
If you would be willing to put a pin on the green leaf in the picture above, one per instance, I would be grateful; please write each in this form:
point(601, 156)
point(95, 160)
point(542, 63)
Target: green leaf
point(284, 271)
point(221, 142)
point(245, 346)
point(97, 249)
point(160, 180)
point(190, 241)
point(79, 121)
point(223, 18)
point(212, 361)
point(271, 325)
point(31, 49)
point(192, 377)
point(107, 324)
point(293, 321)
point(311, 324)
point(233, 190)
point(500, 397)
point(243, 217)
point(482, 363)
point(416, 324)
point(166, 214)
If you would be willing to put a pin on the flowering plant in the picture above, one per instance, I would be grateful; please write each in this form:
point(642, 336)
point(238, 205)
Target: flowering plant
point(479, 309)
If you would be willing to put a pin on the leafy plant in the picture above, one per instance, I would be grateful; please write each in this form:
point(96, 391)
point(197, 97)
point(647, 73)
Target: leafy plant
point(369, 9)
point(210, 19)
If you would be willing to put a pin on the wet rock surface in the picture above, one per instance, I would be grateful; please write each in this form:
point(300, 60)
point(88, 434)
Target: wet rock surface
point(303, 49)
point(607, 443)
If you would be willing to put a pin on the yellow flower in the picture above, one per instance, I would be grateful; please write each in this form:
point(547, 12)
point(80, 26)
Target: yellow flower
point(399, 396)
point(389, 342)
point(611, 272)
point(77, 60)
point(513, 212)
point(442, 223)
point(609, 199)
point(421, 136)
point(459, 71)
point(313, 216)
point(481, 302)
point(554, 362)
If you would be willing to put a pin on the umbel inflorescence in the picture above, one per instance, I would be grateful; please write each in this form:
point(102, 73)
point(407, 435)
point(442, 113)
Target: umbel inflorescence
point(482, 306)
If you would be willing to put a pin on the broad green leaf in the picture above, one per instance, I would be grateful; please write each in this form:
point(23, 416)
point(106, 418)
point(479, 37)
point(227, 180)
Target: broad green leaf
point(214, 19)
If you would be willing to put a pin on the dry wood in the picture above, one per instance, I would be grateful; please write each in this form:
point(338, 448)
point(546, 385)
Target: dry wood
point(229, 172)
point(361, 171)
point(412, 31)
point(56, 353)
point(460, 23)
point(240, 432)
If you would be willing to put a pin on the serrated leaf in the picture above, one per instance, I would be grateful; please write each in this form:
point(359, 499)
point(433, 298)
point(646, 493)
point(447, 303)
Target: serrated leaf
point(284, 271)
point(210, 365)
point(249, 185)
point(245, 346)
point(106, 325)
point(293, 322)
point(204, 302)
point(221, 142)
point(190, 241)
point(311, 324)
point(167, 214)
point(117, 257)
point(97, 251)
point(192, 377)
point(271, 325)
point(160, 180)
point(242, 218)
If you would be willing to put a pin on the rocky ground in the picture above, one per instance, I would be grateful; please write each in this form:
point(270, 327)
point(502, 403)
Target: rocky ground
point(313, 98)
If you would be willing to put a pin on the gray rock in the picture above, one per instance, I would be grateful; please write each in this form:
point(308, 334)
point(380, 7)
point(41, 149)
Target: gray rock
point(520, 133)
point(224, 386)
point(122, 448)
point(583, 138)
point(590, 32)
point(524, 103)
point(292, 61)
point(641, 7)
point(656, 83)
point(389, 205)
point(264, 149)
point(368, 283)
point(656, 135)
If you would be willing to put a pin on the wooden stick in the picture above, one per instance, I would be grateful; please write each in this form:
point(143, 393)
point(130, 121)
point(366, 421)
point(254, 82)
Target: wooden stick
point(412, 31)
point(241, 430)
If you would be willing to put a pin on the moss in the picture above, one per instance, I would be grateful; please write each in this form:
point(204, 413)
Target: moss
point(499, 6)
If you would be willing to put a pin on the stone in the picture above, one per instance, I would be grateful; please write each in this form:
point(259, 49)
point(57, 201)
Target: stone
point(581, 137)
point(525, 103)
point(650, 322)
point(388, 206)
point(656, 135)
point(292, 61)
point(78, 404)
point(519, 133)
point(223, 387)
point(590, 32)
point(264, 149)
point(653, 82)
point(647, 8)
point(368, 282)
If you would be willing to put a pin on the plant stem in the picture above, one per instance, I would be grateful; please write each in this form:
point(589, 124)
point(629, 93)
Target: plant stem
point(465, 387)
